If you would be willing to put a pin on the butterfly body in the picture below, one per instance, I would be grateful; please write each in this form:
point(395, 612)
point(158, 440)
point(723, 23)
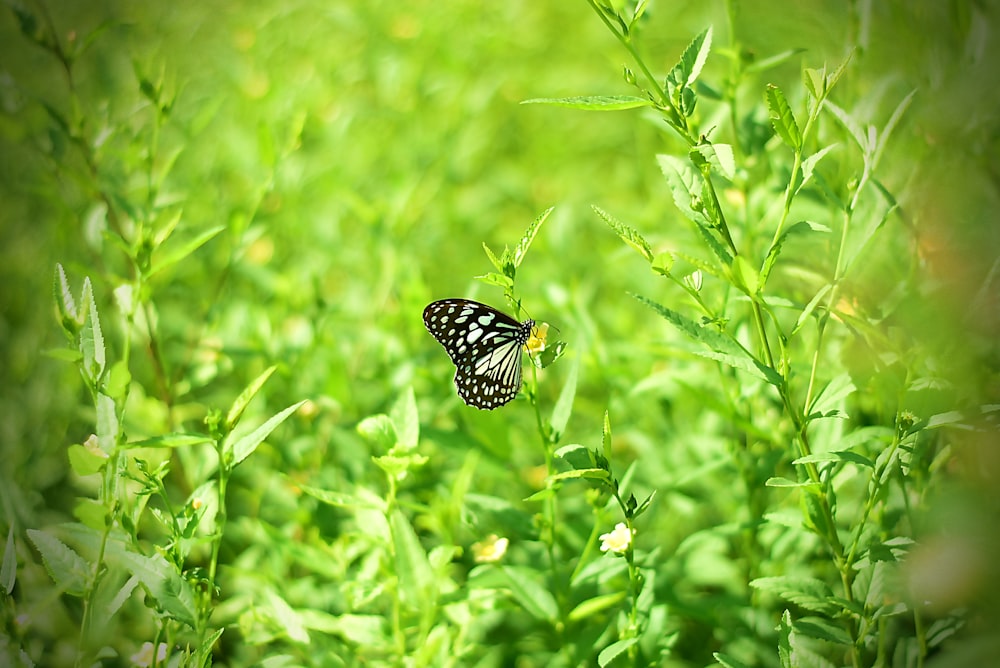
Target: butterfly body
point(485, 346)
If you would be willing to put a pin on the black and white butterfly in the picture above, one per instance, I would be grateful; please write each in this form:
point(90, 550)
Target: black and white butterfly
point(485, 346)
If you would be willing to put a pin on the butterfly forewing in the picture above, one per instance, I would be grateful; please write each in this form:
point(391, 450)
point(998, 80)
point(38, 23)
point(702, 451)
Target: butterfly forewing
point(485, 346)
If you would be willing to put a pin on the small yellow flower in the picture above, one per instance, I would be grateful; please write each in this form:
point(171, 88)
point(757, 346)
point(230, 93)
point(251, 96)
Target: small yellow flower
point(144, 657)
point(490, 550)
point(536, 342)
point(619, 540)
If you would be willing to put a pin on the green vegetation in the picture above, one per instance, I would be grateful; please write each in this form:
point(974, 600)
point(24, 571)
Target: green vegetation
point(762, 432)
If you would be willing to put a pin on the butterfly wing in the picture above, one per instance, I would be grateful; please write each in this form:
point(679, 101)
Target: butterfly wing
point(485, 346)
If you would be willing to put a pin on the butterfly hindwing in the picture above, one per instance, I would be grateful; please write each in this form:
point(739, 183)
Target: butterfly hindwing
point(485, 346)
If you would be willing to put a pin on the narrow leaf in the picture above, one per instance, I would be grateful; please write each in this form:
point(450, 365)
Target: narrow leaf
point(246, 445)
point(857, 133)
point(8, 569)
point(595, 605)
point(687, 69)
point(413, 570)
point(800, 227)
point(614, 650)
point(67, 569)
point(405, 419)
point(839, 456)
point(171, 441)
point(719, 156)
point(64, 297)
point(107, 423)
point(341, 499)
point(174, 256)
point(785, 482)
point(91, 338)
point(594, 102)
point(773, 61)
point(577, 474)
point(564, 405)
point(164, 583)
point(242, 401)
point(723, 347)
point(528, 590)
point(529, 235)
point(810, 307)
point(782, 118)
point(626, 233)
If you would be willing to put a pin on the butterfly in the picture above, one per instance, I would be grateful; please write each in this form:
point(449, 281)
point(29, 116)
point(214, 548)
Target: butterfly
point(485, 346)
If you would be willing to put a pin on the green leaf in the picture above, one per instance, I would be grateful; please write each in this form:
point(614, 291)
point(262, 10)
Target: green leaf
point(564, 405)
point(494, 260)
point(530, 592)
point(723, 347)
point(413, 570)
point(67, 569)
point(91, 337)
point(405, 420)
point(822, 629)
point(686, 186)
point(84, 462)
point(68, 314)
point(114, 604)
point(626, 233)
point(595, 605)
point(719, 156)
point(809, 593)
point(8, 568)
point(242, 401)
point(245, 446)
point(809, 164)
point(173, 257)
point(853, 128)
point(838, 456)
point(378, 430)
point(203, 654)
point(773, 61)
point(810, 307)
point(782, 118)
point(689, 67)
point(800, 227)
point(286, 618)
point(529, 235)
point(614, 650)
point(728, 661)
point(606, 436)
point(785, 653)
point(499, 280)
point(594, 102)
point(341, 499)
point(745, 277)
point(785, 482)
point(177, 440)
point(578, 474)
point(107, 423)
point(173, 594)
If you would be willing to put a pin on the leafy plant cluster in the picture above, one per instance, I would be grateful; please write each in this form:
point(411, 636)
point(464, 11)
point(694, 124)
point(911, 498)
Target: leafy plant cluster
point(750, 485)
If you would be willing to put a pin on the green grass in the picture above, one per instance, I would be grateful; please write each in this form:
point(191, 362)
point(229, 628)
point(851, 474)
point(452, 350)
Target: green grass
point(764, 243)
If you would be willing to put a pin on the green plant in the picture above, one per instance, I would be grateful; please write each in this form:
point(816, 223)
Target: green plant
point(801, 429)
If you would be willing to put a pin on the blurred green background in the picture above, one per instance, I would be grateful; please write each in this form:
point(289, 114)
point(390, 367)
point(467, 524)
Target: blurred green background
point(360, 153)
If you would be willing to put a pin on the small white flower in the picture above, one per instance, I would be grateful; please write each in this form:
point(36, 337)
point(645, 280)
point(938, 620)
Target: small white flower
point(144, 657)
point(619, 540)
